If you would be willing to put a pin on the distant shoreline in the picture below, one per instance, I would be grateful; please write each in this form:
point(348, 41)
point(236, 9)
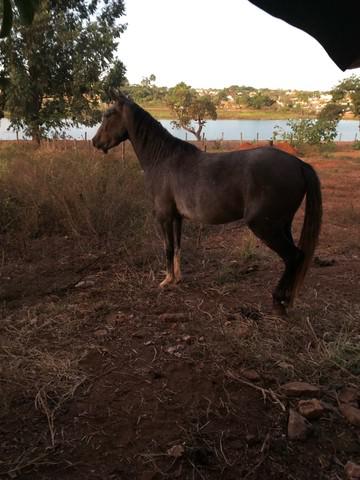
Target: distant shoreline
point(164, 113)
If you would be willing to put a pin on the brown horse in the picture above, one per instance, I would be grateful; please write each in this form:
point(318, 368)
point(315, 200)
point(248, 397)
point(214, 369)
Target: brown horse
point(264, 186)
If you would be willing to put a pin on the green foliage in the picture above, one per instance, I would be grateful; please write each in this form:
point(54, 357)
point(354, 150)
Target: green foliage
point(309, 131)
point(146, 92)
point(188, 105)
point(113, 80)
point(259, 100)
point(332, 111)
point(348, 92)
point(56, 66)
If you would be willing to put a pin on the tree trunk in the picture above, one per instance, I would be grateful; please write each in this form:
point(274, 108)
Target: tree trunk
point(198, 132)
point(194, 132)
point(35, 134)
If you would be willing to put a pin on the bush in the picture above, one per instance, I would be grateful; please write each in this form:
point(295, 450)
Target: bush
point(309, 131)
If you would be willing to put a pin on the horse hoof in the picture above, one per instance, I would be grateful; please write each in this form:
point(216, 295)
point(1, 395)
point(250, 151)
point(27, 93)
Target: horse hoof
point(167, 281)
point(280, 309)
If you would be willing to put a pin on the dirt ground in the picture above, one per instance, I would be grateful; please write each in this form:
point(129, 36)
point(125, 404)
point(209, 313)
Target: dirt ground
point(105, 376)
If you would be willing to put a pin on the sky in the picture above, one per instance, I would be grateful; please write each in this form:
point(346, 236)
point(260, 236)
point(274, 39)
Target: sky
point(218, 43)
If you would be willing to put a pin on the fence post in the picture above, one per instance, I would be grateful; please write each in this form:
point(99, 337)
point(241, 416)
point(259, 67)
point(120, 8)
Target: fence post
point(204, 142)
point(241, 137)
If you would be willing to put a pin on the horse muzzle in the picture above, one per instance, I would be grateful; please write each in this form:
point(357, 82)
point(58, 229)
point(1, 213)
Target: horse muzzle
point(101, 146)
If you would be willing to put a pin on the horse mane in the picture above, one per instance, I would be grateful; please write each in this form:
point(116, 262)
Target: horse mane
point(158, 140)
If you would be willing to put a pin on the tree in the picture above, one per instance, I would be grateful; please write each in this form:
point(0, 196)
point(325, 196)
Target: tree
point(331, 111)
point(188, 105)
point(348, 92)
point(146, 92)
point(26, 11)
point(114, 79)
point(260, 100)
point(149, 81)
point(56, 70)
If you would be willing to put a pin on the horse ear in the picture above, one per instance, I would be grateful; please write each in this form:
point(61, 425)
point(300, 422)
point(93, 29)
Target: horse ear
point(113, 94)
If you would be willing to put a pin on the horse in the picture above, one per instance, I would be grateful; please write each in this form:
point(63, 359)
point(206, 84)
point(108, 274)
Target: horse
point(263, 186)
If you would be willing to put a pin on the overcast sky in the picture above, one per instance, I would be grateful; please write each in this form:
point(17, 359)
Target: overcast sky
point(218, 43)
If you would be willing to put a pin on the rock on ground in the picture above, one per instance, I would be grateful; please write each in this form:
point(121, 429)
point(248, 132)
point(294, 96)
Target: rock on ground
point(298, 427)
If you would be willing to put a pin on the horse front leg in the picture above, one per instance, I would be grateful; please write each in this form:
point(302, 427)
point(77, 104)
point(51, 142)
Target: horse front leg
point(177, 233)
point(168, 234)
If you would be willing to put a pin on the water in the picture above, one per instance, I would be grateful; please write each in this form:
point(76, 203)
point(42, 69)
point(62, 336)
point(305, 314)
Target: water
point(214, 130)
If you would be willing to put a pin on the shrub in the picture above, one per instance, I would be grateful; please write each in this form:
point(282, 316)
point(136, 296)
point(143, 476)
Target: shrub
point(308, 131)
point(313, 132)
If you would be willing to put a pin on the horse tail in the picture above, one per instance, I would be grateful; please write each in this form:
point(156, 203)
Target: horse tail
point(312, 224)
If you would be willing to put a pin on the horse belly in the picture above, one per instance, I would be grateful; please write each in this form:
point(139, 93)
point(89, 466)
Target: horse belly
point(218, 214)
point(212, 210)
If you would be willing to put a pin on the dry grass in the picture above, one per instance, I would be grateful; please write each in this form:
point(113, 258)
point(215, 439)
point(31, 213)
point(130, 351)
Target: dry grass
point(74, 192)
point(52, 356)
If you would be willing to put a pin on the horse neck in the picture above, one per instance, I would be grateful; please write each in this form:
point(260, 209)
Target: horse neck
point(152, 143)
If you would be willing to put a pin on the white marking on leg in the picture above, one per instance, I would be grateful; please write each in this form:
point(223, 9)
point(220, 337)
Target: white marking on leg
point(177, 269)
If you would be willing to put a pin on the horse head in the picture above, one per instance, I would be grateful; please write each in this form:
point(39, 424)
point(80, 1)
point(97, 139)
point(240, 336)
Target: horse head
point(113, 128)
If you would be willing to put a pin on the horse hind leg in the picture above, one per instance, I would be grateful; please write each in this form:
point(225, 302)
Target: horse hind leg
point(278, 237)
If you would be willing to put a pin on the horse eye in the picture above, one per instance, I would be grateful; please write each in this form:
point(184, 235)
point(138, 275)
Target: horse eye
point(108, 113)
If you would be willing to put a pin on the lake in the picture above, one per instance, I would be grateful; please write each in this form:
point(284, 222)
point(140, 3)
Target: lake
point(347, 130)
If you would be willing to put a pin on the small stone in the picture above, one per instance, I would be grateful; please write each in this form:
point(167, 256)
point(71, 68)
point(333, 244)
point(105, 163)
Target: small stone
point(324, 262)
point(176, 451)
point(174, 350)
point(352, 414)
point(349, 395)
point(297, 389)
point(171, 350)
point(298, 427)
point(187, 338)
point(101, 333)
point(174, 317)
point(85, 284)
point(311, 408)
point(250, 375)
point(201, 339)
point(352, 471)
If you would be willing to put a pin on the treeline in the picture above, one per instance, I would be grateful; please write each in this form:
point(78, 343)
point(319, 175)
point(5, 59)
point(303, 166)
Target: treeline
point(234, 96)
point(192, 107)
